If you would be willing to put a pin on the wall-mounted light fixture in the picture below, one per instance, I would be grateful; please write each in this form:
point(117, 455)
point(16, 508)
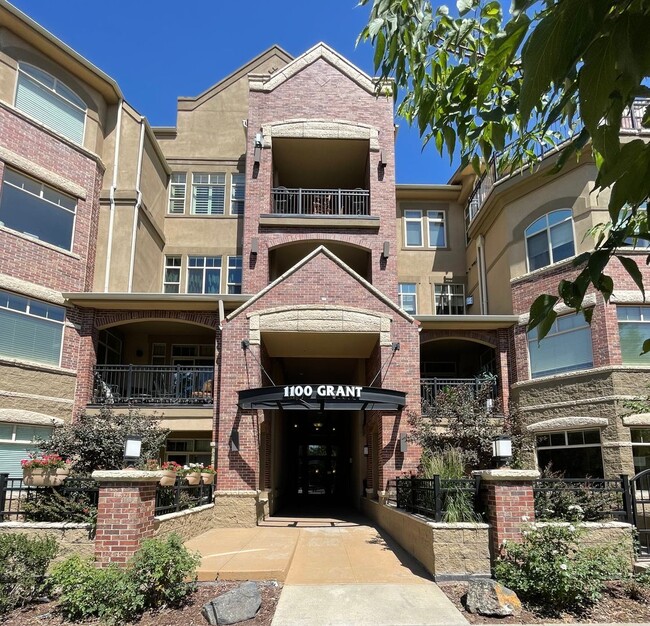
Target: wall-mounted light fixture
point(259, 144)
point(255, 245)
point(365, 450)
point(502, 449)
point(234, 440)
point(403, 443)
point(132, 448)
point(382, 160)
point(386, 251)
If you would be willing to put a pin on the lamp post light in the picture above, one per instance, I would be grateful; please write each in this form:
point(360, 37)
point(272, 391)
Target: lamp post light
point(132, 449)
point(502, 449)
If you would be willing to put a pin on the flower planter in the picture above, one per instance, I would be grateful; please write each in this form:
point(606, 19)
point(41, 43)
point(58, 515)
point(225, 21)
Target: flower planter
point(168, 479)
point(207, 477)
point(44, 477)
point(193, 478)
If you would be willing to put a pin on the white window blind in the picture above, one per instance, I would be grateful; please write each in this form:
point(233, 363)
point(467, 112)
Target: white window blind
point(208, 194)
point(177, 186)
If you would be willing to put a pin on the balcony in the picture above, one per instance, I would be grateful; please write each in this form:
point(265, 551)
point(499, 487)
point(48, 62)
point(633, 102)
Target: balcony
point(320, 202)
point(153, 385)
point(431, 387)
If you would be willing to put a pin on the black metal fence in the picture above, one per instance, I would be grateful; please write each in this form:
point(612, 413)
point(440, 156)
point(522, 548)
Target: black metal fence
point(182, 496)
point(441, 499)
point(74, 501)
point(153, 384)
point(583, 499)
point(431, 387)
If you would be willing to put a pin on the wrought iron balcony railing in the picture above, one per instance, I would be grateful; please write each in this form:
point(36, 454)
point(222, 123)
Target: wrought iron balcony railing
point(431, 387)
point(324, 202)
point(153, 384)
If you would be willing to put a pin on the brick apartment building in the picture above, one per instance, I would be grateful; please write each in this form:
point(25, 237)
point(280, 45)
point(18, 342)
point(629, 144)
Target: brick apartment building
point(255, 275)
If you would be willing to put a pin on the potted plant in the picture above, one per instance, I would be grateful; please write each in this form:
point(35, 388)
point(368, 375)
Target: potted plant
point(44, 470)
point(192, 473)
point(169, 469)
point(207, 474)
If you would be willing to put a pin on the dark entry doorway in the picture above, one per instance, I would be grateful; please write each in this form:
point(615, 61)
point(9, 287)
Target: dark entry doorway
point(319, 454)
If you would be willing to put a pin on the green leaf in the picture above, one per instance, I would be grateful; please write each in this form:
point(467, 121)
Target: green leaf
point(380, 46)
point(375, 26)
point(464, 6)
point(540, 310)
point(646, 347)
point(633, 270)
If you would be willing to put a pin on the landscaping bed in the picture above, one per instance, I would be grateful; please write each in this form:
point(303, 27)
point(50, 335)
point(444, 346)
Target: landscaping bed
point(189, 614)
point(615, 606)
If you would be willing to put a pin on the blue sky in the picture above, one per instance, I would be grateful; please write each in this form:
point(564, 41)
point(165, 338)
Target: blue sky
point(160, 50)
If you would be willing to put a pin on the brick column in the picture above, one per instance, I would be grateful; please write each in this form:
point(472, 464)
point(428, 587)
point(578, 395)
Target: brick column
point(508, 496)
point(125, 513)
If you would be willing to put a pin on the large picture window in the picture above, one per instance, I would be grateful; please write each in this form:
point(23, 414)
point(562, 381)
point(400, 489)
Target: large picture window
point(575, 453)
point(16, 442)
point(30, 330)
point(208, 194)
point(204, 274)
point(37, 210)
point(566, 347)
point(550, 239)
point(449, 299)
point(633, 330)
point(48, 100)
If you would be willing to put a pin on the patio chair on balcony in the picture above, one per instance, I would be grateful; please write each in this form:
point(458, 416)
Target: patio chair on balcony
point(322, 204)
point(105, 393)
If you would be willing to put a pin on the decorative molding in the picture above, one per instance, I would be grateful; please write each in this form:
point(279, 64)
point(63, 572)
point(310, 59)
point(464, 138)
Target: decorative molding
point(562, 309)
point(21, 416)
point(567, 423)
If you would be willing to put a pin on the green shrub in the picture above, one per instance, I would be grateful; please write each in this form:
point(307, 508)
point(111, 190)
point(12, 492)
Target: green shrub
point(23, 563)
point(154, 578)
point(552, 573)
point(57, 504)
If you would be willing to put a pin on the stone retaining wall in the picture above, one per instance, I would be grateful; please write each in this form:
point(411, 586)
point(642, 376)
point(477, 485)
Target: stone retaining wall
point(447, 551)
point(188, 524)
point(71, 538)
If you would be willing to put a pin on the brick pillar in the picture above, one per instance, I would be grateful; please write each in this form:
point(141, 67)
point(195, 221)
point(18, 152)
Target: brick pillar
point(508, 496)
point(125, 513)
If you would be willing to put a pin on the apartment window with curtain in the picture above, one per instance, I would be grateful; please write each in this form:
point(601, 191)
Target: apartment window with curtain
point(208, 194)
point(237, 193)
point(204, 274)
point(408, 297)
point(47, 100)
point(449, 299)
point(30, 330)
point(36, 210)
point(172, 275)
point(633, 330)
point(566, 348)
point(550, 239)
point(234, 274)
point(177, 192)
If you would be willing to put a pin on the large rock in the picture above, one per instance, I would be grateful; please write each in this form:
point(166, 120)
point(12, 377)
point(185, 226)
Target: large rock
point(234, 606)
point(488, 597)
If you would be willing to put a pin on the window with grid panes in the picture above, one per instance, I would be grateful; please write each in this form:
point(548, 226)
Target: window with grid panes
point(36, 210)
point(204, 274)
point(449, 299)
point(413, 228)
point(208, 194)
point(158, 353)
point(234, 274)
point(48, 100)
point(172, 275)
point(550, 239)
point(575, 453)
point(436, 229)
point(177, 191)
point(408, 297)
point(633, 328)
point(237, 194)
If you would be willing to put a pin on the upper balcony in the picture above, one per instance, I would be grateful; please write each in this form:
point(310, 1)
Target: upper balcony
point(333, 202)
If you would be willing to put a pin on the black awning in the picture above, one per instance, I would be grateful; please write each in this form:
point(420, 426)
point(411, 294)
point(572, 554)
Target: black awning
point(322, 398)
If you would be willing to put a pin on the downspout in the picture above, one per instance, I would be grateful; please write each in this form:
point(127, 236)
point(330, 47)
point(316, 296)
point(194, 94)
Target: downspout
point(111, 214)
point(138, 204)
point(482, 274)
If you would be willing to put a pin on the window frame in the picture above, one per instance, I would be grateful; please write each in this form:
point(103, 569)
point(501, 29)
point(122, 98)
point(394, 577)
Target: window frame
point(410, 219)
point(639, 444)
point(176, 185)
point(22, 72)
point(568, 446)
point(211, 186)
point(234, 186)
point(41, 197)
point(241, 274)
point(644, 310)
point(167, 266)
point(430, 220)
point(449, 297)
point(547, 229)
point(205, 268)
point(425, 218)
point(401, 294)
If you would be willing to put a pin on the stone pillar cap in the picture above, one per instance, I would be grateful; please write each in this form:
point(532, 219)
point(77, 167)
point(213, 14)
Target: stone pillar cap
point(127, 476)
point(510, 475)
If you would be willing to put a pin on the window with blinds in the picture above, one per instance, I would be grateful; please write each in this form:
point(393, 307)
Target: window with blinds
point(234, 274)
point(30, 330)
point(550, 239)
point(237, 193)
point(16, 442)
point(49, 101)
point(208, 194)
point(37, 210)
point(633, 330)
point(177, 188)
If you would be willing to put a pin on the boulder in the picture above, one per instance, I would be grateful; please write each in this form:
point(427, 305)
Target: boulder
point(234, 606)
point(488, 597)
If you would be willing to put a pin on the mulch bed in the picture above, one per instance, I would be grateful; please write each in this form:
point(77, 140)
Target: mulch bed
point(188, 615)
point(616, 605)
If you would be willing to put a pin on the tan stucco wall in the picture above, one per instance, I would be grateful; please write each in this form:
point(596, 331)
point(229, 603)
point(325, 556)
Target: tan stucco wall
point(148, 265)
point(71, 538)
point(187, 524)
point(447, 551)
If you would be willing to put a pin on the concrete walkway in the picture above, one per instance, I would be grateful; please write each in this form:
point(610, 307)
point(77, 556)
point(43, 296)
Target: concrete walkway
point(336, 571)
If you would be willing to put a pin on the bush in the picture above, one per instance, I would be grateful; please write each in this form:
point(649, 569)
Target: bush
point(23, 563)
point(154, 578)
point(57, 504)
point(552, 573)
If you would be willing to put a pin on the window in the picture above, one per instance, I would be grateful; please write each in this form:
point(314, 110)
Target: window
point(109, 348)
point(566, 348)
point(449, 299)
point(158, 353)
point(177, 185)
point(435, 229)
point(30, 329)
point(640, 448)
point(640, 225)
point(234, 274)
point(208, 194)
point(189, 451)
point(408, 297)
point(37, 210)
point(633, 330)
point(550, 239)
point(172, 275)
point(49, 101)
point(204, 274)
point(576, 453)
point(16, 442)
point(237, 192)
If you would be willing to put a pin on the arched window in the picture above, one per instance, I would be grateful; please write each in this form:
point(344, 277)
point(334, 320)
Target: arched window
point(550, 239)
point(48, 100)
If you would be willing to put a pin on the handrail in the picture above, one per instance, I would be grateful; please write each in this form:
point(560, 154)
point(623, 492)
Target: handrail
point(302, 201)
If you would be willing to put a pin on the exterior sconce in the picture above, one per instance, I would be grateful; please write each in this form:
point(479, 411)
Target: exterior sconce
point(502, 448)
point(132, 448)
point(259, 143)
point(386, 251)
point(403, 443)
point(382, 161)
point(255, 245)
point(365, 450)
point(234, 440)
